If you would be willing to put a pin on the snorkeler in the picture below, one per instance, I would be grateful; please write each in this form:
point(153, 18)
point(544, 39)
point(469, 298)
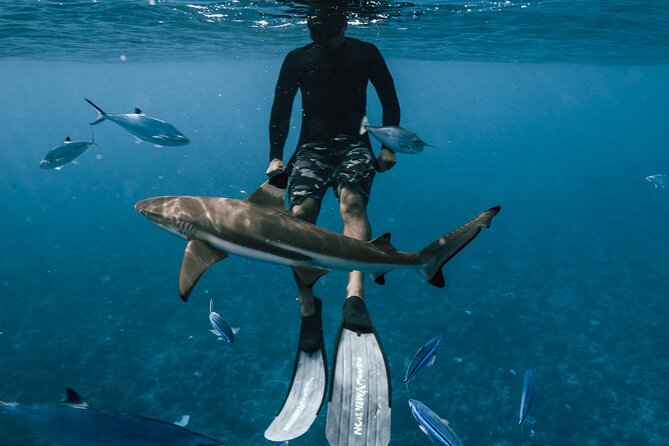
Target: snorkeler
point(332, 74)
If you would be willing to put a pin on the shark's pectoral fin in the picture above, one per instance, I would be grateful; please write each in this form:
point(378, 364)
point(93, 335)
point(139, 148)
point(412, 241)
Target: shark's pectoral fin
point(198, 256)
point(308, 274)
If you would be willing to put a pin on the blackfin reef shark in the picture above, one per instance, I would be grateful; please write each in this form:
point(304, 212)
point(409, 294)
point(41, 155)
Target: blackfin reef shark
point(260, 227)
point(144, 127)
point(396, 138)
point(65, 153)
point(73, 423)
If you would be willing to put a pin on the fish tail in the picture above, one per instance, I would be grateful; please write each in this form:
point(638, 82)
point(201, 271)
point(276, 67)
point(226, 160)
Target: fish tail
point(101, 114)
point(435, 255)
point(364, 124)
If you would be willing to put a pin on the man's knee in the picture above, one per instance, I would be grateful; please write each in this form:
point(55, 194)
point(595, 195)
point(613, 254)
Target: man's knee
point(307, 210)
point(352, 203)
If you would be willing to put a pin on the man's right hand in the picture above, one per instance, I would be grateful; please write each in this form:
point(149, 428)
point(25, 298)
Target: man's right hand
point(276, 167)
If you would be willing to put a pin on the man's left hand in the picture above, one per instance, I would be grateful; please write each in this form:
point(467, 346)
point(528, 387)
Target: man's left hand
point(386, 159)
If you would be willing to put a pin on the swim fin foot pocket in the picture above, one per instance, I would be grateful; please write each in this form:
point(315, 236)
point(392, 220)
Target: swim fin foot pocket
point(311, 330)
point(356, 318)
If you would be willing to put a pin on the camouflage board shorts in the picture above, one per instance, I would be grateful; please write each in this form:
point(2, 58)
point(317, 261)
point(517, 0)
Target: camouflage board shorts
point(333, 163)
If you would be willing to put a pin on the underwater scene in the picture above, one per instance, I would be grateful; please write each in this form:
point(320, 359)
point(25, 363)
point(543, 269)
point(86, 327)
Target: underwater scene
point(556, 111)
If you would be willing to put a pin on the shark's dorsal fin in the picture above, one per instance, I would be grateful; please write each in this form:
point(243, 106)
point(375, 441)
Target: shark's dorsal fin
point(138, 111)
point(68, 139)
point(269, 194)
point(198, 256)
point(383, 241)
point(73, 398)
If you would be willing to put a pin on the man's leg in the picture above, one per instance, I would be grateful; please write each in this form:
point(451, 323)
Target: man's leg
point(308, 210)
point(353, 209)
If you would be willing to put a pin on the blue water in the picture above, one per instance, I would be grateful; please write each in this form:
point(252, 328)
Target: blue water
point(571, 279)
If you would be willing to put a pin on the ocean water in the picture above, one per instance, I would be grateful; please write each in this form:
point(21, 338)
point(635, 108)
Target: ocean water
point(555, 110)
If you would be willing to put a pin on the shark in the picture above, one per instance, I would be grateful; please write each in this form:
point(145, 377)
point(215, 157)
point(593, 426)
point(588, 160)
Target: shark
point(260, 227)
point(74, 423)
point(144, 127)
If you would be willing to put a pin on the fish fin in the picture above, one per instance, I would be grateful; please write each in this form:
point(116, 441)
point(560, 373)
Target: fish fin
point(379, 278)
point(218, 335)
point(183, 422)
point(383, 242)
point(235, 330)
point(138, 111)
point(420, 425)
point(434, 256)
point(101, 114)
point(73, 398)
point(309, 274)
point(68, 139)
point(430, 363)
point(364, 124)
point(211, 305)
point(58, 168)
point(270, 194)
point(75, 162)
point(198, 256)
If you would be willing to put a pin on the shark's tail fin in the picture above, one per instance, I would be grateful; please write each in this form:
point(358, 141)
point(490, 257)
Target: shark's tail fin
point(434, 256)
point(364, 124)
point(101, 114)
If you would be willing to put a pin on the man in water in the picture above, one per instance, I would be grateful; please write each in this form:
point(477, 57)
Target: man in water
point(332, 74)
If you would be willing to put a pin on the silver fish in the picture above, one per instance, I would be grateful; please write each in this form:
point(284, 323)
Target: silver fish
point(74, 423)
point(659, 180)
point(526, 399)
point(221, 328)
point(394, 137)
point(65, 153)
point(144, 127)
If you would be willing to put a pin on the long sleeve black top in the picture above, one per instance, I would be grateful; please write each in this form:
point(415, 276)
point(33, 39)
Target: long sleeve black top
point(333, 85)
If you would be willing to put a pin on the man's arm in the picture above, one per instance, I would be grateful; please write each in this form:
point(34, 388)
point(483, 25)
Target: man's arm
point(384, 85)
point(279, 121)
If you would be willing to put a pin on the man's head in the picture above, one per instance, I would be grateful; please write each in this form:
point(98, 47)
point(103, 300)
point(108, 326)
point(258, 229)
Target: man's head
point(327, 24)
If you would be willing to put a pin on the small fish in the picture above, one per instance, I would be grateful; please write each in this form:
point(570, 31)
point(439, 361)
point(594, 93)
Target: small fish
point(144, 127)
point(432, 425)
point(221, 328)
point(659, 180)
point(425, 356)
point(65, 153)
point(529, 389)
point(394, 137)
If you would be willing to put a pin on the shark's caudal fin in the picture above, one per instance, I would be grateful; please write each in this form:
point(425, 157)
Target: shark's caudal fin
point(435, 255)
point(101, 114)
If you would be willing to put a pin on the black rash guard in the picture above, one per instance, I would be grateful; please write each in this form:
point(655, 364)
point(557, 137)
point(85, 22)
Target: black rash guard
point(333, 84)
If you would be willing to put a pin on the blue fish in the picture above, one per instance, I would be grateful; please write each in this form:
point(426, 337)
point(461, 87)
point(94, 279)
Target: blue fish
point(74, 423)
point(659, 180)
point(221, 328)
point(65, 153)
point(425, 356)
point(144, 127)
point(529, 389)
point(432, 425)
